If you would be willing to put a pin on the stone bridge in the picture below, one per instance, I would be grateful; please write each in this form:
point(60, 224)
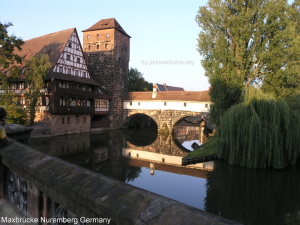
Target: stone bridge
point(166, 107)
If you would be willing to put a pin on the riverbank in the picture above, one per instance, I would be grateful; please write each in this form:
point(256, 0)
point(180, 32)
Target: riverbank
point(207, 149)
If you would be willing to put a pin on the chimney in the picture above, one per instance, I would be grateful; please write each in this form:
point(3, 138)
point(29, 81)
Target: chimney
point(154, 93)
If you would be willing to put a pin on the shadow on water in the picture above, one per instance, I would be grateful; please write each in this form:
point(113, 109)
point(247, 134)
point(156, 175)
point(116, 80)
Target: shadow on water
point(99, 152)
point(254, 197)
point(141, 137)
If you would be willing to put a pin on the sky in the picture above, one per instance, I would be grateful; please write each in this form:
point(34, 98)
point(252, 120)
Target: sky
point(163, 44)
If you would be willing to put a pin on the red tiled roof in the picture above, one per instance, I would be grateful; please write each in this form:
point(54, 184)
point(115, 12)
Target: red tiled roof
point(202, 96)
point(52, 44)
point(107, 24)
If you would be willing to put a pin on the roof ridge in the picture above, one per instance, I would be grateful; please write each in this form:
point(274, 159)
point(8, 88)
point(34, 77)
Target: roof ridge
point(52, 33)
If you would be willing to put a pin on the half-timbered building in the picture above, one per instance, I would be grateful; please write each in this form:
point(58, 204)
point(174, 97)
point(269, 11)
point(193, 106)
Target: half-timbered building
point(70, 97)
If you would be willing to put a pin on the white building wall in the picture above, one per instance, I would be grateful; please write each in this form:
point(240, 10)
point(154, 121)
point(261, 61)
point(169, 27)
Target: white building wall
point(155, 105)
point(166, 159)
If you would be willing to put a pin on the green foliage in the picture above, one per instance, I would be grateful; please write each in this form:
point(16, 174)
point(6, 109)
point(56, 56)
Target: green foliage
point(223, 94)
point(15, 113)
point(207, 149)
point(261, 132)
point(137, 82)
point(38, 67)
point(249, 43)
point(7, 46)
point(164, 131)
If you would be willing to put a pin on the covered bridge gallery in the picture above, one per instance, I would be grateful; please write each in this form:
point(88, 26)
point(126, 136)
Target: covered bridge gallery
point(69, 96)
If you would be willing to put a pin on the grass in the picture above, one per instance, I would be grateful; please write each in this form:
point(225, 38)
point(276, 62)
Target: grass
point(207, 149)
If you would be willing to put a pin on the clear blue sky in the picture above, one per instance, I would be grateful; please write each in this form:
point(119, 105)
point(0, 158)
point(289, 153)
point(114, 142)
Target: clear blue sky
point(164, 33)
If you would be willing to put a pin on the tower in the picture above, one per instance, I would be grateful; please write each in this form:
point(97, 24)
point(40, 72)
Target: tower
point(107, 49)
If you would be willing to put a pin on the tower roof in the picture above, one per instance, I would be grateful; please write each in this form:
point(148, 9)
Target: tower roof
point(107, 24)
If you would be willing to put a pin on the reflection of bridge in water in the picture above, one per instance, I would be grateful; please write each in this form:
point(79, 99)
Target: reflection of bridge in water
point(165, 155)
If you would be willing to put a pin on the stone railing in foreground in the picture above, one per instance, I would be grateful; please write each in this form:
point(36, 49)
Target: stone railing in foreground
point(49, 190)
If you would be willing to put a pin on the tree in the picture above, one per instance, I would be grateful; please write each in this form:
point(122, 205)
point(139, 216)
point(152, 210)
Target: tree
point(37, 69)
point(260, 132)
point(249, 42)
point(7, 47)
point(15, 112)
point(9, 73)
point(137, 82)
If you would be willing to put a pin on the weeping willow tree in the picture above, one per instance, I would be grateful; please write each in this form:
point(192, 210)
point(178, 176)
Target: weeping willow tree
point(260, 132)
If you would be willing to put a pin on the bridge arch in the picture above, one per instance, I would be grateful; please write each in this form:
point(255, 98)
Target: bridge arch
point(130, 115)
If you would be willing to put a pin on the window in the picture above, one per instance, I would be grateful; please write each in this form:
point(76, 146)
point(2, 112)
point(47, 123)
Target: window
point(118, 36)
point(98, 36)
point(184, 104)
point(77, 119)
point(139, 103)
point(89, 47)
point(68, 71)
point(107, 34)
point(60, 69)
point(88, 37)
point(76, 73)
point(68, 120)
point(106, 46)
point(70, 45)
point(98, 46)
point(88, 103)
point(130, 103)
point(78, 102)
point(206, 105)
point(78, 60)
point(104, 104)
point(84, 74)
point(63, 120)
point(165, 104)
point(68, 57)
point(84, 120)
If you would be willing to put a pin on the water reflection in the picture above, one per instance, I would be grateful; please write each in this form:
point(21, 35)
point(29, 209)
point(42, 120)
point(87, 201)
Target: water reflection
point(254, 197)
point(100, 153)
point(187, 134)
point(243, 195)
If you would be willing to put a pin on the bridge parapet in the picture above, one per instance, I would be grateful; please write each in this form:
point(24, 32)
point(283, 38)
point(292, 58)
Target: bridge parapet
point(47, 187)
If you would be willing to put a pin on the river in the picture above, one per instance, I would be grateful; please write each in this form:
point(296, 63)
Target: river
point(147, 160)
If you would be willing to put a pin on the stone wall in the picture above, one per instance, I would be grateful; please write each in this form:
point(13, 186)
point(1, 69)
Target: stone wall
point(170, 117)
point(62, 124)
point(112, 74)
point(51, 187)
